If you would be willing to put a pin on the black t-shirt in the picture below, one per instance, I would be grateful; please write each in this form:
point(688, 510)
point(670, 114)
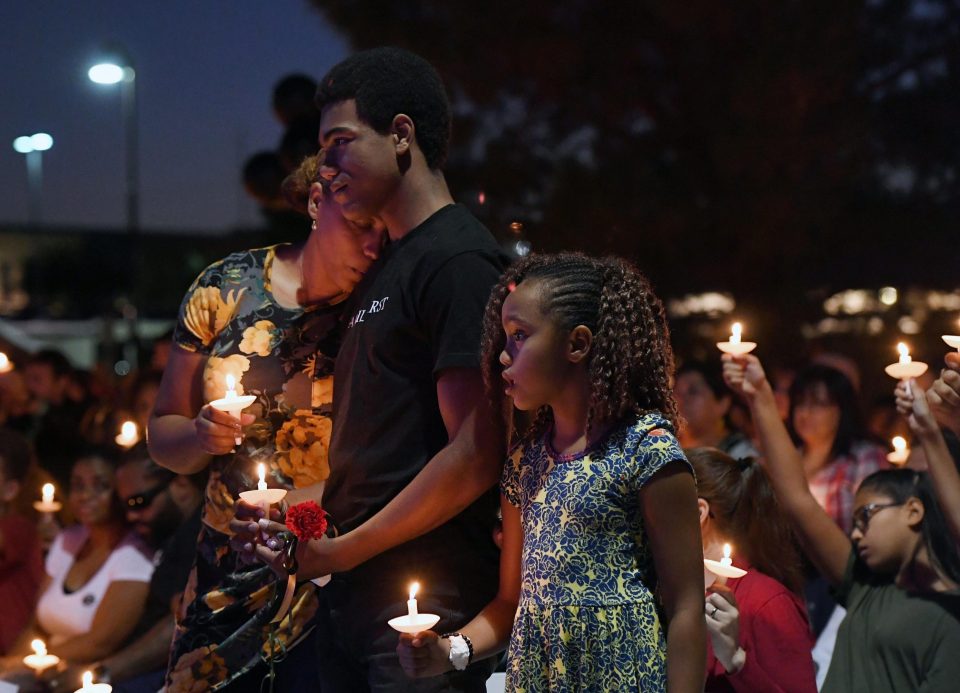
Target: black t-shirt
point(418, 312)
point(171, 573)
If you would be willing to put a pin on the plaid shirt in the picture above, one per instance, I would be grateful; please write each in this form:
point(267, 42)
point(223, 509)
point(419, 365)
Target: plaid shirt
point(835, 485)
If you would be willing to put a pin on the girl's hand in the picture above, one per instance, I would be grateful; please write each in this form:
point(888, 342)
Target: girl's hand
point(912, 403)
point(723, 627)
point(744, 374)
point(216, 430)
point(424, 654)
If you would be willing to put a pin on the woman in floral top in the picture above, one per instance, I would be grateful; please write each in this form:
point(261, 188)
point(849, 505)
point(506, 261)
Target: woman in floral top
point(269, 318)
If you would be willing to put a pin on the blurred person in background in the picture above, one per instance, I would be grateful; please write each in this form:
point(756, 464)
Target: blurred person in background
point(704, 403)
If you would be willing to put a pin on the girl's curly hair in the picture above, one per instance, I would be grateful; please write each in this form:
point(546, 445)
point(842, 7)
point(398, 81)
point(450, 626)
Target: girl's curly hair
point(631, 360)
point(296, 186)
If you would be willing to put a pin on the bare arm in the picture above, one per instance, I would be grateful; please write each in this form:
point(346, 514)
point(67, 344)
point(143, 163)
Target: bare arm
point(944, 394)
point(424, 654)
point(456, 476)
point(913, 403)
point(116, 617)
point(183, 433)
point(670, 520)
point(823, 541)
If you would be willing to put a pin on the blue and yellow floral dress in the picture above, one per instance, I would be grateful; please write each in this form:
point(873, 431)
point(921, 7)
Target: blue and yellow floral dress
point(283, 356)
point(588, 619)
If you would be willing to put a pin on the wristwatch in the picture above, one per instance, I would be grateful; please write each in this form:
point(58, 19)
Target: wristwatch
point(461, 650)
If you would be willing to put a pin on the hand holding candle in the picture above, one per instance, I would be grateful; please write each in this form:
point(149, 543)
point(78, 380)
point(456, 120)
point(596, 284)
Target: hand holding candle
point(414, 621)
point(900, 451)
point(736, 346)
point(40, 660)
point(905, 368)
point(231, 403)
point(263, 496)
point(46, 504)
point(724, 568)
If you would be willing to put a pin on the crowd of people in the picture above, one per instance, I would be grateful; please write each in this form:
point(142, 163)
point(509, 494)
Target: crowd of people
point(517, 438)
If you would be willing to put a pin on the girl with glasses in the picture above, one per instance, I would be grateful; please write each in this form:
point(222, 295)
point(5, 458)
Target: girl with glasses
point(897, 573)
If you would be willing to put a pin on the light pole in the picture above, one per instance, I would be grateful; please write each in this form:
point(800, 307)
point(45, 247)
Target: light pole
point(34, 146)
point(121, 72)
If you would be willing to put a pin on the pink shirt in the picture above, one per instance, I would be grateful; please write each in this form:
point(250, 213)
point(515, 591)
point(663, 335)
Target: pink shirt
point(21, 570)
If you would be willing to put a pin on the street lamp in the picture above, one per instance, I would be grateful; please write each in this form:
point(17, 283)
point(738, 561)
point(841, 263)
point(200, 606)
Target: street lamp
point(34, 146)
point(121, 72)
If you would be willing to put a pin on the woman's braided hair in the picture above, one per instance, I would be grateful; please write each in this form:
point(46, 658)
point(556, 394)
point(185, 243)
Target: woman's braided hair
point(631, 360)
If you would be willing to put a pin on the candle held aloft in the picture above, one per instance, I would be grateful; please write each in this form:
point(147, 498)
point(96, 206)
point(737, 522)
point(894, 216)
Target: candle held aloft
point(952, 340)
point(47, 504)
point(5, 365)
point(900, 452)
point(263, 496)
point(128, 436)
point(40, 660)
point(231, 403)
point(413, 621)
point(905, 368)
point(735, 345)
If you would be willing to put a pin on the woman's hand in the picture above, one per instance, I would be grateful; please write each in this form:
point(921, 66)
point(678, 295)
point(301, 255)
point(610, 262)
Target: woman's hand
point(912, 403)
point(944, 394)
point(723, 627)
point(217, 430)
point(744, 374)
point(424, 654)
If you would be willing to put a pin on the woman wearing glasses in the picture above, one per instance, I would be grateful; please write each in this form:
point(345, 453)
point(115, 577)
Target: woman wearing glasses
point(97, 574)
point(897, 573)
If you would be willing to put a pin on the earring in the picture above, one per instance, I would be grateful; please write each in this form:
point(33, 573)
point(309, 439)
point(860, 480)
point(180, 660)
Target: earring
point(313, 226)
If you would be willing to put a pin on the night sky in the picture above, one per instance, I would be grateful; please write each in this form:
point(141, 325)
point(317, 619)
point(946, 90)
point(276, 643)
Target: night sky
point(205, 74)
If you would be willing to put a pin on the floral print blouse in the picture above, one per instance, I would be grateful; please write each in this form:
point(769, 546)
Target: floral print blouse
point(284, 357)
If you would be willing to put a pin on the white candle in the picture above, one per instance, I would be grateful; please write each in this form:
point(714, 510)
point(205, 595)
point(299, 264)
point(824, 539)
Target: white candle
point(900, 451)
point(40, 659)
point(412, 602)
point(46, 504)
point(46, 495)
point(724, 568)
point(736, 332)
point(232, 403)
point(90, 687)
point(726, 561)
point(905, 368)
point(231, 387)
point(128, 436)
point(904, 351)
point(262, 473)
point(5, 365)
point(735, 344)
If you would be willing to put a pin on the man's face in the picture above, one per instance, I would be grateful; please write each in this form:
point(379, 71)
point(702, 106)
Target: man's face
point(147, 503)
point(359, 164)
point(43, 383)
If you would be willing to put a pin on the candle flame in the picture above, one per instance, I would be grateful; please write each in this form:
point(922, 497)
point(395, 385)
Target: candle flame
point(414, 588)
point(231, 382)
point(904, 351)
point(899, 443)
point(47, 492)
point(39, 647)
point(4, 361)
point(726, 550)
point(736, 331)
point(128, 429)
point(262, 472)
point(87, 679)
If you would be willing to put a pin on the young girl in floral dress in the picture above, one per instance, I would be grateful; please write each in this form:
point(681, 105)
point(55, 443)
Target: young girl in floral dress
point(601, 583)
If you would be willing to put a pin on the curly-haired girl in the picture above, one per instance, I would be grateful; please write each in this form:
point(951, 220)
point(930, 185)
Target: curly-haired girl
point(600, 527)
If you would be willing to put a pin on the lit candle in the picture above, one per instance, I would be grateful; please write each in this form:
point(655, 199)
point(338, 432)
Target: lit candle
point(128, 436)
point(263, 496)
point(952, 340)
point(724, 568)
point(231, 403)
point(412, 602)
point(900, 451)
point(905, 368)
point(46, 504)
point(40, 659)
point(413, 621)
point(735, 345)
point(5, 365)
point(90, 687)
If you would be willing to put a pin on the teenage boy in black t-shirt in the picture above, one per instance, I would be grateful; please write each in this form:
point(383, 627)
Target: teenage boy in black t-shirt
point(415, 443)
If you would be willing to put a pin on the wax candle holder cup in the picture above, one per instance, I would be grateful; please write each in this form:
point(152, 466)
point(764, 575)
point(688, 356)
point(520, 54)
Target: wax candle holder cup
point(41, 662)
point(952, 340)
point(234, 406)
point(722, 570)
point(898, 457)
point(413, 624)
point(264, 497)
point(736, 348)
point(906, 371)
point(47, 506)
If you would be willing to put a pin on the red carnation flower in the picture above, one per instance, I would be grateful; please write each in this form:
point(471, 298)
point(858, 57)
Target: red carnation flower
point(307, 520)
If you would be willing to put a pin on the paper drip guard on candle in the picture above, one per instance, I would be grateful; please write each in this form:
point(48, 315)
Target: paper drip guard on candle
point(736, 347)
point(906, 368)
point(263, 496)
point(900, 452)
point(90, 687)
point(413, 621)
point(233, 404)
point(40, 660)
point(952, 340)
point(46, 504)
point(724, 568)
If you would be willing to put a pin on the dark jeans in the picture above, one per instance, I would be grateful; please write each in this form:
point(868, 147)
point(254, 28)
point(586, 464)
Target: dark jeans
point(357, 650)
point(296, 672)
